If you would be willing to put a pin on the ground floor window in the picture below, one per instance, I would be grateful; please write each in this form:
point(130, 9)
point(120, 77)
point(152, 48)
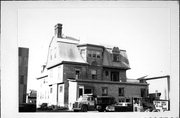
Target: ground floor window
point(85, 90)
point(104, 91)
point(80, 92)
point(51, 89)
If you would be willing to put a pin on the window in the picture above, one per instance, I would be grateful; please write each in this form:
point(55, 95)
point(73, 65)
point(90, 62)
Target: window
point(116, 58)
point(80, 92)
point(89, 53)
point(104, 91)
point(77, 74)
point(98, 54)
point(51, 90)
point(60, 89)
point(87, 91)
point(121, 91)
point(94, 55)
point(114, 76)
point(94, 74)
point(107, 73)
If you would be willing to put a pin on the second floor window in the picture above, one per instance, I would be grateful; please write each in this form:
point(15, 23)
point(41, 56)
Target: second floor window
point(114, 76)
point(77, 74)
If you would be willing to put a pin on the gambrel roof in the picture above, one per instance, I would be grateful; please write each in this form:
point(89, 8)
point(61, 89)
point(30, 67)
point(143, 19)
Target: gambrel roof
point(66, 51)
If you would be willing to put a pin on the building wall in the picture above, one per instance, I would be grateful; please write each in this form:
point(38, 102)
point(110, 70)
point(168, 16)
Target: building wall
point(69, 71)
point(23, 73)
point(60, 94)
point(42, 92)
point(113, 89)
point(53, 94)
point(55, 75)
point(107, 74)
point(72, 93)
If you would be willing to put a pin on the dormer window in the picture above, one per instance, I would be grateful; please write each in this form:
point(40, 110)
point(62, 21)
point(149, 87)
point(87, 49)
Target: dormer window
point(116, 58)
point(98, 54)
point(94, 55)
point(116, 54)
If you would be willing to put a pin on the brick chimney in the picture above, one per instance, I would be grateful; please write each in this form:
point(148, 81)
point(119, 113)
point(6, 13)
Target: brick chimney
point(58, 30)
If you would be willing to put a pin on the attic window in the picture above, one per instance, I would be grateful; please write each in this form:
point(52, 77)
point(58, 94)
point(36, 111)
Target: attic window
point(116, 58)
point(94, 54)
point(116, 54)
point(98, 54)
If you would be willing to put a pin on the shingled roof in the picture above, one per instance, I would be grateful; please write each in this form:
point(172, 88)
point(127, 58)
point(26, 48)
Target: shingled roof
point(69, 52)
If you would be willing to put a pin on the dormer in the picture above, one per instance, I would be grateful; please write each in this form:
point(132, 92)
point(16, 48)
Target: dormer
point(92, 54)
point(116, 54)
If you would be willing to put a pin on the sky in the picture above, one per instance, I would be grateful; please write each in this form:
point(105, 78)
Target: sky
point(143, 32)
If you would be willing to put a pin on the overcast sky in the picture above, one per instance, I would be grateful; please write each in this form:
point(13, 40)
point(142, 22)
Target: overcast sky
point(143, 32)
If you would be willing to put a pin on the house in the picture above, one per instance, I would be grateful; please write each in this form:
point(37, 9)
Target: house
point(74, 69)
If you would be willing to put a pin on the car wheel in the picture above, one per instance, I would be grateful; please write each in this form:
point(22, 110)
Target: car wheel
point(84, 108)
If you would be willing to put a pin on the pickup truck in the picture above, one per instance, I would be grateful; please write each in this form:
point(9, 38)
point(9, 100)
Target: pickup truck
point(91, 102)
